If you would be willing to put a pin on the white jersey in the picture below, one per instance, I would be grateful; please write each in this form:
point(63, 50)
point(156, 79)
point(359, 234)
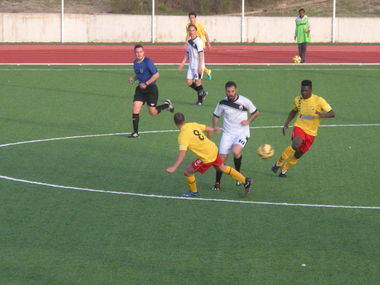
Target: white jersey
point(233, 114)
point(194, 47)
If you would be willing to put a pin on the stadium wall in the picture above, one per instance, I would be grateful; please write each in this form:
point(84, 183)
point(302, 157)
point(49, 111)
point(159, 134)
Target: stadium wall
point(41, 27)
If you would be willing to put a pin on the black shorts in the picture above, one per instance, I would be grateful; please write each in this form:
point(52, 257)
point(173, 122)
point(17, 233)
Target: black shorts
point(148, 95)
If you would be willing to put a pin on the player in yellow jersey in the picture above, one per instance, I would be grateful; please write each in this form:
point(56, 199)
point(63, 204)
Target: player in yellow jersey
point(192, 136)
point(202, 34)
point(309, 109)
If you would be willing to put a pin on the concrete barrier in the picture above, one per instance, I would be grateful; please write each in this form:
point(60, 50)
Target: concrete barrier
point(41, 27)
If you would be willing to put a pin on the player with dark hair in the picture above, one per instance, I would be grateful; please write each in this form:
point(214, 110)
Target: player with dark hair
point(196, 57)
point(309, 109)
point(192, 136)
point(146, 74)
point(302, 33)
point(238, 112)
point(202, 33)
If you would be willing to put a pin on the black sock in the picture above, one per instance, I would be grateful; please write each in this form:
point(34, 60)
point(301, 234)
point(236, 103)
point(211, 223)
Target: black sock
point(162, 107)
point(218, 176)
point(193, 86)
point(237, 162)
point(135, 121)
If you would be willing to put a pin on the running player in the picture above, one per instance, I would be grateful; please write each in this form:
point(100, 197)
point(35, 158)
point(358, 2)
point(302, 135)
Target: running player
point(195, 55)
point(147, 74)
point(192, 137)
point(309, 109)
point(201, 32)
point(238, 112)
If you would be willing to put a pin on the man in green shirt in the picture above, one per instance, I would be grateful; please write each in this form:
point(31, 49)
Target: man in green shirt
point(302, 34)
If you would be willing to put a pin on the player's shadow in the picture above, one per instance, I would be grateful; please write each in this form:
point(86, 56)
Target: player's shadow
point(57, 90)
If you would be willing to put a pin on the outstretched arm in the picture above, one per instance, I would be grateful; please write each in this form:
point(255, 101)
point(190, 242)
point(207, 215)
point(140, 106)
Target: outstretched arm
point(180, 157)
point(290, 117)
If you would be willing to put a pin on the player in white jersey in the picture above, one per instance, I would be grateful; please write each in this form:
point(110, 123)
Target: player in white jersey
point(195, 56)
point(238, 112)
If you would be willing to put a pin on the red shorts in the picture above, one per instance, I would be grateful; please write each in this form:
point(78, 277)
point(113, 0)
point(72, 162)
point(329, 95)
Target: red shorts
point(201, 167)
point(307, 139)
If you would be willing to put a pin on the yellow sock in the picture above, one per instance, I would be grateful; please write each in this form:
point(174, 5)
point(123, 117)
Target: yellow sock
point(234, 174)
point(207, 71)
point(286, 154)
point(291, 162)
point(191, 183)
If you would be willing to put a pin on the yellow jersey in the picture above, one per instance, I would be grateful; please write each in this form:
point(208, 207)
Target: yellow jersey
point(192, 137)
point(307, 119)
point(201, 32)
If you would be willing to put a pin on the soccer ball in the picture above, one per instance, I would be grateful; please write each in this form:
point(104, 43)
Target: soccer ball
point(296, 59)
point(265, 151)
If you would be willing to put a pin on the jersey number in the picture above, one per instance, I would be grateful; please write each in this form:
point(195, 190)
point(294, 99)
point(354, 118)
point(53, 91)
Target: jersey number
point(199, 135)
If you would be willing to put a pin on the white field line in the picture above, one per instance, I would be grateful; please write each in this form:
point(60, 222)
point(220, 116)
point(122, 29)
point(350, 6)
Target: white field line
point(182, 198)
point(165, 131)
point(175, 197)
point(209, 64)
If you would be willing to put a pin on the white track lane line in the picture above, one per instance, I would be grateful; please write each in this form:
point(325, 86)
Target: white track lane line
point(175, 197)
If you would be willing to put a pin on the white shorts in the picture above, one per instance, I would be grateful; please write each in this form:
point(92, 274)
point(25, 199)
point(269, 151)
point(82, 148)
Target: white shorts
point(227, 142)
point(192, 73)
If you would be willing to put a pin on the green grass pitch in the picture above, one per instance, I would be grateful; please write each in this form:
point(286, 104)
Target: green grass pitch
point(61, 236)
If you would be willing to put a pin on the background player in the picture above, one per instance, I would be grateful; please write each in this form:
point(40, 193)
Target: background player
point(310, 109)
point(201, 32)
point(235, 109)
point(192, 137)
point(302, 34)
point(195, 55)
point(147, 74)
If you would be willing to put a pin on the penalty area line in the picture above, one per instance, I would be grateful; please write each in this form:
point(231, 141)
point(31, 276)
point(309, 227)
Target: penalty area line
point(183, 198)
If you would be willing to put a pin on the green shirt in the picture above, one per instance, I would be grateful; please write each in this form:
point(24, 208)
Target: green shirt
point(302, 25)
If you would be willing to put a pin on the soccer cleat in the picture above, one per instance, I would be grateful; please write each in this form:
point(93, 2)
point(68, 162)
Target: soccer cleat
point(198, 103)
point(216, 186)
point(209, 76)
point(275, 168)
point(238, 183)
point(134, 135)
point(190, 194)
point(247, 185)
point(282, 174)
point(171, 106)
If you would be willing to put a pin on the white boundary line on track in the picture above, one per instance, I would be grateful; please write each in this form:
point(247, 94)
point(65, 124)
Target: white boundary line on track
point(175, 197)
point(211, 64)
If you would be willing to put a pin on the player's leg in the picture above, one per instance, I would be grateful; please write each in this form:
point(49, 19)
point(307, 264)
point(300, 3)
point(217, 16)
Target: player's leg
point(152, 98)
point(298, 136)
point(301, 144)
point(138, 101)
point(237, 176)
point(191, 181)
point(300, 50)
point(199, 88)
point(219, 174)
point(225, 146)
point(238, 157)
point(303, 52)
point(208, 73)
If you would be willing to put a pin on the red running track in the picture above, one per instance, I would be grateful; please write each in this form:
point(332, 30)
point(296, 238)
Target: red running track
point(222, 54)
